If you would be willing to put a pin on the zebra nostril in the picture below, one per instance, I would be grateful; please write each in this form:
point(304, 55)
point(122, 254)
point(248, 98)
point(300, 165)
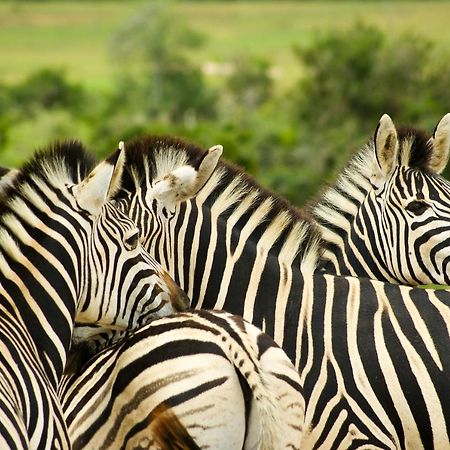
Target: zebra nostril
point(182, 302)
point(178, 298)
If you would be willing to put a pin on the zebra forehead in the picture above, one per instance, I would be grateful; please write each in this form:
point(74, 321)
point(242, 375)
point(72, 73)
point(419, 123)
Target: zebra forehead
point(416, 149)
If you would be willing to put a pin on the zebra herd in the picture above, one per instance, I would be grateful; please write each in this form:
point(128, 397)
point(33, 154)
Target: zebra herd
point(322, 345)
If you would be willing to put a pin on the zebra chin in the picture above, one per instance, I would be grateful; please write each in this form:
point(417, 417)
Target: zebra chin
point(169, 304)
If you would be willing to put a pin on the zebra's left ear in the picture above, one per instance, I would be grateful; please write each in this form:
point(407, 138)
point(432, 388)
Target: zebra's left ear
point(102, 183)
point(441, 145)
point(386, 144)
point(184, 182)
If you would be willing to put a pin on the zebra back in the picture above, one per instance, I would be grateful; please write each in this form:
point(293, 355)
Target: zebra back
point(228, 385)
point(168, 432)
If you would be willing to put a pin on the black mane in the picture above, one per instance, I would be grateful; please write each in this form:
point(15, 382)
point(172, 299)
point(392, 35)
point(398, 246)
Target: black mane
point(143, 151)
point(69, 155)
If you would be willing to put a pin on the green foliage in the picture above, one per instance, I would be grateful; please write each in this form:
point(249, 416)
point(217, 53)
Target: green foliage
point(352, 78)
point(150, 51)
point(292, 138)
point(46, 89)
point(250, 84)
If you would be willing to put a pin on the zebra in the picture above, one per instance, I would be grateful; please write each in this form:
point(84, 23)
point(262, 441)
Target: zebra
point(66, 253)
point(388, 215)
point(229, 385)
point(372, 356)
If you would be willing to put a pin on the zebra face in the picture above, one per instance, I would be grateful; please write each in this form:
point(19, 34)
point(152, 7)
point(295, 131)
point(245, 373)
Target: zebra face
point(409, 204)
point(123, 287)
point(131, 287)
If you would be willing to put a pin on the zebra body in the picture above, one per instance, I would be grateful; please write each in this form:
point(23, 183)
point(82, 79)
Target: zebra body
point(388, 215)
point(65, 254)
point(229, 385)
point(233, 246)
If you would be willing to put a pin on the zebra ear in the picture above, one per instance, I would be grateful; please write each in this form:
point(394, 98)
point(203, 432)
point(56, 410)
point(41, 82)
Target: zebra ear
point(184, 182)
point(7, 179)
point(441, 145)
point(102, 183)
point(386, 144)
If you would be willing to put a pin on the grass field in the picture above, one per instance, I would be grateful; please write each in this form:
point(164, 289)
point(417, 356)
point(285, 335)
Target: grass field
point(74, 35)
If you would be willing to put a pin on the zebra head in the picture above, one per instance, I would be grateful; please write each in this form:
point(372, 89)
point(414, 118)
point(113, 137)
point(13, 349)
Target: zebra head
point(388, 217)
point(161, 173)
point(123, 286)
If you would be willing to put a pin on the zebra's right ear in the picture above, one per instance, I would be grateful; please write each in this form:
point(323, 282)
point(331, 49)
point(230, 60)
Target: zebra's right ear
point(101, 184)
point(441, 145)
point(184, 182)
point(386, 144)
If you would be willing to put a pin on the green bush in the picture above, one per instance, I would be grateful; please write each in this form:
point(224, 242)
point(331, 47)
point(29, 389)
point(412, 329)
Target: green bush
point(46, 89)
point(292, 141)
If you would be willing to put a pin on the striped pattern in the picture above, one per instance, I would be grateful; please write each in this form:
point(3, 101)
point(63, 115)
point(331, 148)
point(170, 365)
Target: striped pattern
point(55, 235)
point(236, 247)
point(228, 385)
point(391, 226)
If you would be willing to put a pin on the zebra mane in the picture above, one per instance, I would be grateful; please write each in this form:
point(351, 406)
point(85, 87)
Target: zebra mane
point(293, 233)
point(416, 149)
point(59, 164)
point(336, 202)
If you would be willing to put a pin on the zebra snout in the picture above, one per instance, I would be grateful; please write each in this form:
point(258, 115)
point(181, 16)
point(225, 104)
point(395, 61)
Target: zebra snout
point(178, 298)
point(182, 302)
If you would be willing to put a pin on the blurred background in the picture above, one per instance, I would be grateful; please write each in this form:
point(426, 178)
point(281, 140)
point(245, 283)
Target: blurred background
point(290, 89)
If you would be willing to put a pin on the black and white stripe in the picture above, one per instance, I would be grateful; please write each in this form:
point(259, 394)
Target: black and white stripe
point(55, 234)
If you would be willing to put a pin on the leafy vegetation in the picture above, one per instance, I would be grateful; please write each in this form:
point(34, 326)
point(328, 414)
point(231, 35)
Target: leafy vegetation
point(291, 125)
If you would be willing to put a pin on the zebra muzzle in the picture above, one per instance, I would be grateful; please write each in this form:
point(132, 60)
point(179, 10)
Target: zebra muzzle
point(178, 298)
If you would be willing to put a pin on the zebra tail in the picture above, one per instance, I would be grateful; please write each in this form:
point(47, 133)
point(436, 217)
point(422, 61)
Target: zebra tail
point(265, 412)
point(169, 433)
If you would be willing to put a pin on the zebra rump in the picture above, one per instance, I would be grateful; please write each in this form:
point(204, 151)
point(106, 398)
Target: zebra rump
point(218, 378)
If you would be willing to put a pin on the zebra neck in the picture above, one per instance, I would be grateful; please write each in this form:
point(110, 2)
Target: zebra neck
point(215, 257)
point(43, 309)
point(351, 260)
point(354, 250)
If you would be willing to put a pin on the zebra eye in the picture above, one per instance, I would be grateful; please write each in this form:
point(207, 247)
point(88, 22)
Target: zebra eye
point(416, 207)
point(131, 240)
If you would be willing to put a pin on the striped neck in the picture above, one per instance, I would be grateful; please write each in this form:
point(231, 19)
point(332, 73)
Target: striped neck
point(342, 213)
point(42, 237)
point(39, 282)
point(231, 222)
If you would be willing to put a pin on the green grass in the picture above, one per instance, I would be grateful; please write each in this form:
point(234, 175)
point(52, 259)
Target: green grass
point(74, 35)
